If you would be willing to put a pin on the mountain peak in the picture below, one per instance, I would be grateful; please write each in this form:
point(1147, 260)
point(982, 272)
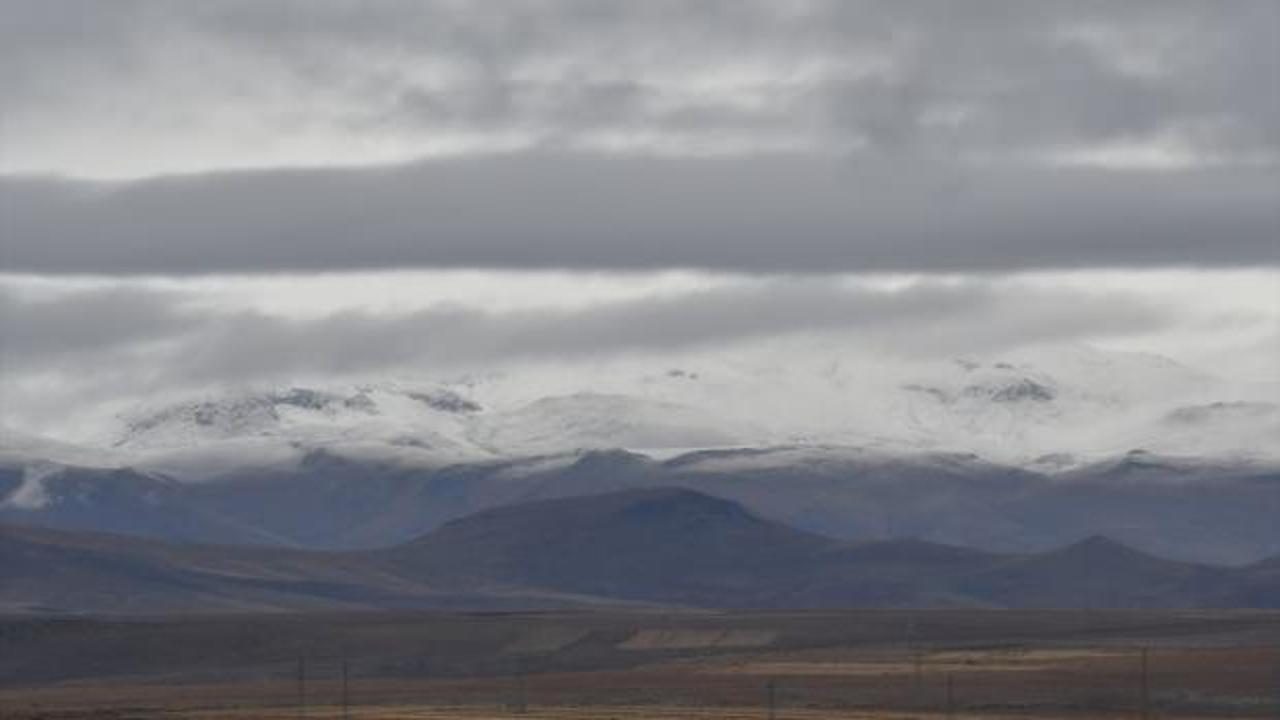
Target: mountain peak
point(1101, 553)
point(1097, 543)
point(610, 458)
point(664, 543)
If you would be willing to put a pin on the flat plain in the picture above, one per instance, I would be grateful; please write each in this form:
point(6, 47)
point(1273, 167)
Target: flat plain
point(886, 664)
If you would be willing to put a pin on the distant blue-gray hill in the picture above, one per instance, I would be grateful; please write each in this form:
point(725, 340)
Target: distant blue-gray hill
point(1212, 512)
point(652, 547)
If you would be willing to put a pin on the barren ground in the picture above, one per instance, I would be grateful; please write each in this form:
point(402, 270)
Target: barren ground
point(598, 666)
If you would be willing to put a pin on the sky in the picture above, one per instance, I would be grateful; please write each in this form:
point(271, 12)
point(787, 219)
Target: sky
point(229, 192)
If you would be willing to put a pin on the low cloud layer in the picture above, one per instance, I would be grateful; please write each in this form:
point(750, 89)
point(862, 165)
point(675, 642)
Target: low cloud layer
point(165, 337)
point(763, 214)
point(76, 351)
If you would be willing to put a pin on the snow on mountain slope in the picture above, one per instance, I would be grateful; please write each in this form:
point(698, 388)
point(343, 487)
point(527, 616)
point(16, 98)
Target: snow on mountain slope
point(818, 459)
point(1084, 402)
point(276, 427)
point(595, 420)
point(294, 411)
point(1049, 411)
point(1237, 428)
point(31, 493)
point(18, 449)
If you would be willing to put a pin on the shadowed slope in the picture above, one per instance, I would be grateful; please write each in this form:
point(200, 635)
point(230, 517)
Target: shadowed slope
point(656, 546)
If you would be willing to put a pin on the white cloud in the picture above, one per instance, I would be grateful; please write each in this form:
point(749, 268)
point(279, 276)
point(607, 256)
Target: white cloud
point(74, 344)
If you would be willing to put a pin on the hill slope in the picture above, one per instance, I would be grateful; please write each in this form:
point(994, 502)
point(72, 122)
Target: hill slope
point(662, 544)
point(654, 546)
point(1216, 512)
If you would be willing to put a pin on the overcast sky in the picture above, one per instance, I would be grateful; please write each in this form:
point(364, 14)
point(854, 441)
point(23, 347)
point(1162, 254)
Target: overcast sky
point(196, 193)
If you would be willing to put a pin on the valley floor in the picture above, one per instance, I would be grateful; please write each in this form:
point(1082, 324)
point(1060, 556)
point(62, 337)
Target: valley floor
point(1008, 684)
point(725, 666)
point(647, 713)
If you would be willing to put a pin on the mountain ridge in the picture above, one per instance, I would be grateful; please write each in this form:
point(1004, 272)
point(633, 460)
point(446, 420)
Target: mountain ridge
point(653, 546)
point(1196, 509)
point(1084, 403)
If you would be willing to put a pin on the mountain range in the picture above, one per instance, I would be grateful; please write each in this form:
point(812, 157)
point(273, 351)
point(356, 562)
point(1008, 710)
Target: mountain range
point(1075, 406)
point(1014, 457)
point(1193, 509)
point(651, 547)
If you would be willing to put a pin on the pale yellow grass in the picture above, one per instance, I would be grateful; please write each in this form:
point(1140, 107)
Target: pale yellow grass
point(1002, 660)
point(697, 639)
point(615, 713)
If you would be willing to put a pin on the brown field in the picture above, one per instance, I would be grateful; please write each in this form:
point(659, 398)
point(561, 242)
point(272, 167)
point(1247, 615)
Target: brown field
point(658, 666)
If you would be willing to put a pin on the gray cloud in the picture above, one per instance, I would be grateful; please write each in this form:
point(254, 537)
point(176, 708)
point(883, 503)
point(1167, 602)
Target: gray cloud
point(143, 337)
point(988, 76)
point(921, 135)
point(40, 332)
point(759, 136)
point(766, 213)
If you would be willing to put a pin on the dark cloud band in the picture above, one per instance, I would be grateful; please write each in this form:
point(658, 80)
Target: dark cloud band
point(164, 337)
point(756, 214)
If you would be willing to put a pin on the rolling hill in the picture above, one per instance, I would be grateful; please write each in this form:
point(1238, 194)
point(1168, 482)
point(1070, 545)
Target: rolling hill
point(654, 546)
point(1192, 509)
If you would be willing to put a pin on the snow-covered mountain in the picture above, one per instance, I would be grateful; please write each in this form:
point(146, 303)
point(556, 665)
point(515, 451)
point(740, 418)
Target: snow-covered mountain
point(1007, 454)
point(1047, 412)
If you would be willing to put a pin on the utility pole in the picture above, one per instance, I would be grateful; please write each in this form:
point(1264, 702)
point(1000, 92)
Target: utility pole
point(913, 649)
point(302, 686)
point(1146, 685)
point(772, 692)
point(522, 693)
point(1277, 683)
point(918, 660)
point(346, 702)
point(951, 696)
